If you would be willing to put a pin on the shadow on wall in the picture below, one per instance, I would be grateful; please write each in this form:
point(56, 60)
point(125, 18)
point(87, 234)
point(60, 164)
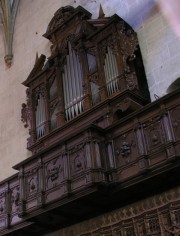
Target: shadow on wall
point(175, 85)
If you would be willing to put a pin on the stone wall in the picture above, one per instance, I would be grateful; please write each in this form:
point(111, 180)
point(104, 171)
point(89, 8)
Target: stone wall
point(160, 50)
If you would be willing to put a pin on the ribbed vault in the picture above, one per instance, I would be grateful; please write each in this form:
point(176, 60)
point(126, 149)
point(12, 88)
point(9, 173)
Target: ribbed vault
point(8, 10)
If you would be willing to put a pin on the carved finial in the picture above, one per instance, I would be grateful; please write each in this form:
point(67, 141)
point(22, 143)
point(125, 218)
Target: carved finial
point(36, 57)
point(101, 12)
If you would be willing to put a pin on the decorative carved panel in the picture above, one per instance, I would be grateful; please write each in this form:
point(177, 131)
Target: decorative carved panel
point(15, 199)
point(2, 204)
point(175, 118)
point(106, 161)
point(154, 134)
point(77, 160)
point(54, 172)
point(126, 148)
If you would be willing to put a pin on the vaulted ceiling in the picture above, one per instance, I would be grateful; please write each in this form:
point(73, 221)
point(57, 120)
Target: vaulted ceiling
point(8, 10)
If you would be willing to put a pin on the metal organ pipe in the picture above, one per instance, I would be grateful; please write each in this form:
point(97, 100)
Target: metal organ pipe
point(37, 120)
point(80, 82)
point(40, 116)
point(115, 68)
point(106, 76)
point(76, 76)
point(65, 97)
point(113, 76)
point(66, 91)
point(75, 84)
point(72, 85)
point(69, 81)
point(111, 72)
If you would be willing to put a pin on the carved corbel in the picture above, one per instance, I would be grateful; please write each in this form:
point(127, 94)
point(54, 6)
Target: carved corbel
point(127, 104)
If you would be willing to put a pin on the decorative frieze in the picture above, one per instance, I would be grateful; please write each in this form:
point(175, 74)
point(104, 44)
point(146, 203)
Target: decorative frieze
point(152, 216)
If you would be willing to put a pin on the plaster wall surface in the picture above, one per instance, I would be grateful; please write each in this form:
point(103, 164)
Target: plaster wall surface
point(159, 45)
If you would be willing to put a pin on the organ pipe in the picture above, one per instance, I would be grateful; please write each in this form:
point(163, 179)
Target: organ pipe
point(40, 116)
point(72, 85)
point(111, 72)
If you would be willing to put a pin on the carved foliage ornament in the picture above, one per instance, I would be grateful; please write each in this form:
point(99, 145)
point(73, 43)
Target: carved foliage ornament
point(125, 147)
point(128, 43)
point(124, 150)
point(60, 17)
point(40, 90)
point(26, 115)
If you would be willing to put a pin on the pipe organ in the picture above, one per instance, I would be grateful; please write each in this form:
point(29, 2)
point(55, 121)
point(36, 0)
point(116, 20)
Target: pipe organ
point(87, 68)
point(91, 138)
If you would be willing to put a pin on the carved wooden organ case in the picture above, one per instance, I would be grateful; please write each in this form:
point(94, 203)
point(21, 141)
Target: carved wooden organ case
point(92, 62)
point(89, 131)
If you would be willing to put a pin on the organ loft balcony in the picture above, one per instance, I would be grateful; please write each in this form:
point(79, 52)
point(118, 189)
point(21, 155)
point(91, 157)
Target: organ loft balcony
point(95, 170)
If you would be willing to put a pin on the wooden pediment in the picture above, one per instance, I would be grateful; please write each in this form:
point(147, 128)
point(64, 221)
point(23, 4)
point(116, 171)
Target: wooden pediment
point(62, 17)
point(38, 67)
